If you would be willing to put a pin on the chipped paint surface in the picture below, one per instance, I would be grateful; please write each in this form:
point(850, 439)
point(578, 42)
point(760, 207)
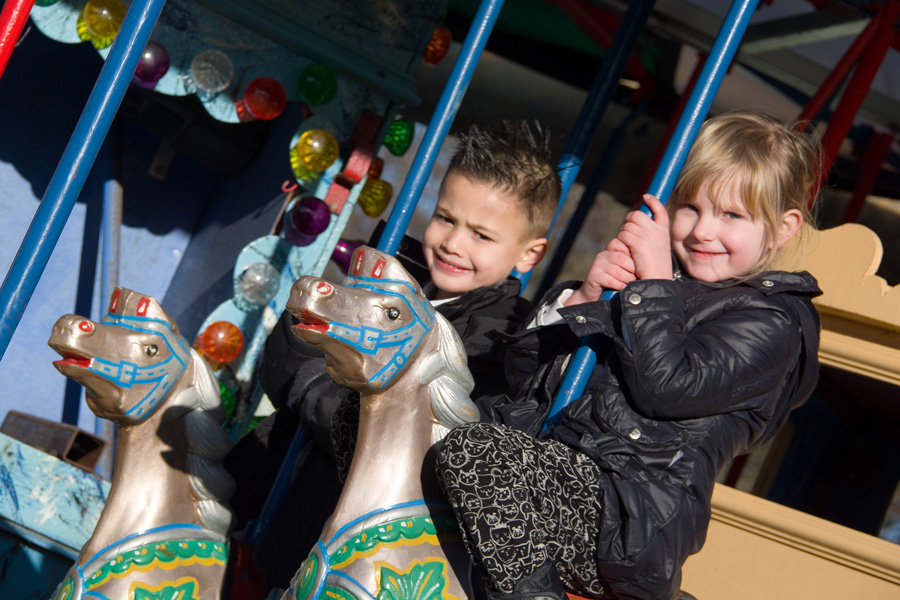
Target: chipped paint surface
point(48, 496)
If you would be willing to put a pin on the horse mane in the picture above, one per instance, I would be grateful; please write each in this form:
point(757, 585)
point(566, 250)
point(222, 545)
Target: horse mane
point(449, 381)
point(207, 446)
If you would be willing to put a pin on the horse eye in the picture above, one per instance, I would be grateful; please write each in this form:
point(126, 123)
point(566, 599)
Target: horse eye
point(151, 350)
point(393, 313)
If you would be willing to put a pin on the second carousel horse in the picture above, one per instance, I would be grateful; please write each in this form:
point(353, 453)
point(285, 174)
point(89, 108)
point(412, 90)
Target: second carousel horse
point(163, 531)
point(392, 535)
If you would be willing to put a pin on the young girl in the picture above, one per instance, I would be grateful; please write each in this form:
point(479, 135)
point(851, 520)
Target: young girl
point(697, 362)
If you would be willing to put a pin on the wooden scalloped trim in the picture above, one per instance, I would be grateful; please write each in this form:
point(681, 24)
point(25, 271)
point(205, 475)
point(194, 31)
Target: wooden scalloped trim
point(844, 260)
point(790, 555)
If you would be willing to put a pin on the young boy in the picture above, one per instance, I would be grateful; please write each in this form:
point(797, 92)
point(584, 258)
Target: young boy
point(494, 208)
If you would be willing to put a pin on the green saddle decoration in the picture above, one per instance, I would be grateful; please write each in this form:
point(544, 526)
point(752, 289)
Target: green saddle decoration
point(424, 581)
point(407, 529)
point(183, 589)
point(185, 551)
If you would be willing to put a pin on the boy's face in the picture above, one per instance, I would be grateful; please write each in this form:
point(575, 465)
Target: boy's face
point(715, 238)
point(476, 237)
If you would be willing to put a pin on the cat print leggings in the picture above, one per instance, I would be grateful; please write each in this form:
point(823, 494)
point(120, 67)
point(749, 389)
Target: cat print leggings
point(521, 501)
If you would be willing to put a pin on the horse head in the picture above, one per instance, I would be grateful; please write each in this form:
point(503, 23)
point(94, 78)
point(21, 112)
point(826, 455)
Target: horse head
point(375, 325)
point(128, 362)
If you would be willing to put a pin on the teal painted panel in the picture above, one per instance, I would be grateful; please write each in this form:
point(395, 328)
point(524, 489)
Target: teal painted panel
point(46, 500)
point(256, 322)
point(373, 48)
point(26, 572)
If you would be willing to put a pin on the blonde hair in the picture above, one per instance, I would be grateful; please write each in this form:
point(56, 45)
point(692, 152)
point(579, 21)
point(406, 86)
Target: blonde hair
point(777, 163)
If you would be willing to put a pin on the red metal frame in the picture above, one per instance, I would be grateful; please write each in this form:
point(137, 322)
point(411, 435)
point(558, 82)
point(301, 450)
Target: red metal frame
point(12, 21)
point(839, 73)
point(869, 169)
point(858, 88)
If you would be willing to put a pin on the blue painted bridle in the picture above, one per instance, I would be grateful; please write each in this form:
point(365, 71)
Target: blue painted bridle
point(126, 374)
point(369, 340)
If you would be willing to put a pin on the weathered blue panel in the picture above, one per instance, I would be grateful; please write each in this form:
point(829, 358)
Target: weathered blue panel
point(47, 501)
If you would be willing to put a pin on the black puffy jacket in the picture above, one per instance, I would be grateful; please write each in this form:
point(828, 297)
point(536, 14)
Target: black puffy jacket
point(689, 375)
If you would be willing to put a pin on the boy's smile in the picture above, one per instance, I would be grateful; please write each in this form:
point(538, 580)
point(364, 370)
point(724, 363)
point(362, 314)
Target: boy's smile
point(715, 238)
point(476, 237)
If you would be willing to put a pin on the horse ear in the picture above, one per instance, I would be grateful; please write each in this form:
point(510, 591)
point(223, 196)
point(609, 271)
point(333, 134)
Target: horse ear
point(129, 303)
point(369, 263)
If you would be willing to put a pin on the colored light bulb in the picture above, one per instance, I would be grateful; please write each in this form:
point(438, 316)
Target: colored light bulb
point(302, 174)
point(154, 63)
point(399, 136)
point(211, 71)
point(374, 196)
point(45, 2)
point(222, 341)
point(438, 45)
point(317, 84)
point(343, 253)
point(310, 215)
point(306, 219)
point(265, 98)
point(104, 17)
point(258, 283)
point(376, 167)
point(316, 150)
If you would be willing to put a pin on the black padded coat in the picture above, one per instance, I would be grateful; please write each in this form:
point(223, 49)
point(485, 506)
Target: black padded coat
point(689, 375)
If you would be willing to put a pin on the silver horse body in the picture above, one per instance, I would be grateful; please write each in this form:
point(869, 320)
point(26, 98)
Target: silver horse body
point(163, 531)
point(392, 533)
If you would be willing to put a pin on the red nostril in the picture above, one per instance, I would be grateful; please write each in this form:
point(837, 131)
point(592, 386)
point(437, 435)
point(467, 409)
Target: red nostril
point(86, 326)
point(324, 288)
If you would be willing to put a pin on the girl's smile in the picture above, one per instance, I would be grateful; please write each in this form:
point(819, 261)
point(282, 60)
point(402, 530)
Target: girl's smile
point(715, 237)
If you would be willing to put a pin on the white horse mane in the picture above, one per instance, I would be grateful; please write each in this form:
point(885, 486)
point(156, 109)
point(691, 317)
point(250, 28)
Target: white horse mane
point(207, 446)
point(449, 382)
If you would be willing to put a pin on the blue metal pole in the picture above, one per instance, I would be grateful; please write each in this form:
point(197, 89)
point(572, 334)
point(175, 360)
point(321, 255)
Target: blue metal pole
point(73, 168)
point(711, 76)
point(586, 202)
point(443, 116)
point(597, 101)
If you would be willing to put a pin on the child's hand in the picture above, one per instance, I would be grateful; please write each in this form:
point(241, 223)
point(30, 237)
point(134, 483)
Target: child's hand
point(612, 269)
point(647, 239)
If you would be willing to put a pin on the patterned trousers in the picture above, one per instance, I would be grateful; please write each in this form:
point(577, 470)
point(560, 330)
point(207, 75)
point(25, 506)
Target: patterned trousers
point(521, 502)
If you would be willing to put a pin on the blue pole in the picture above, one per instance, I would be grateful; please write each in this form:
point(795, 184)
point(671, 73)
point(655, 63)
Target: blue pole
point(73, 168)
point(711, 76)
point(586, 202)
point(443, 116)
point(401, 214)
point(597, 101)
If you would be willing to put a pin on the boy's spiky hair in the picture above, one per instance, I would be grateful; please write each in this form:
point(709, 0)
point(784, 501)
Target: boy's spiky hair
point(516, 158)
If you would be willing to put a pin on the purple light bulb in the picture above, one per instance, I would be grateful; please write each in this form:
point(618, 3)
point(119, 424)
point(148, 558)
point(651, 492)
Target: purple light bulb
point(153, 65)
point(310, 216)
point(307, 218)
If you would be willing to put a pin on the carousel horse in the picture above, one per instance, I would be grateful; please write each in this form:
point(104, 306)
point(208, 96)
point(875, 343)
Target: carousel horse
point(163, 531)
point(392, 535)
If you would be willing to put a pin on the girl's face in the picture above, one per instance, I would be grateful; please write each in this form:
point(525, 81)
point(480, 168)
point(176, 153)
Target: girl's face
point(715, 238)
